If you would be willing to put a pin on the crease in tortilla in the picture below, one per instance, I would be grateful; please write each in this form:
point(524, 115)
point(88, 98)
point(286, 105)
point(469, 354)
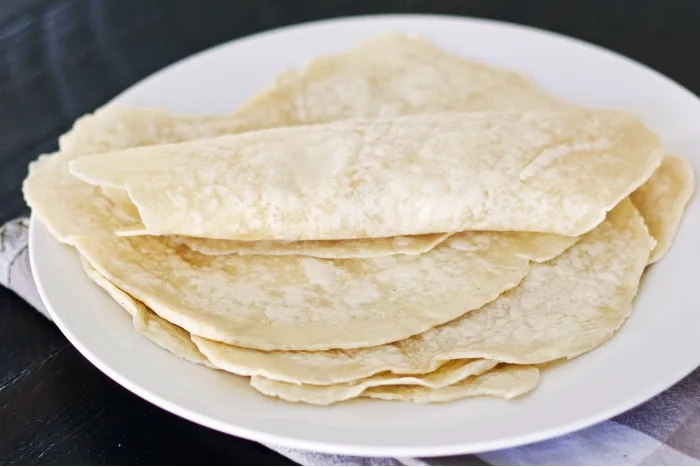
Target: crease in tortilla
point(332, 249)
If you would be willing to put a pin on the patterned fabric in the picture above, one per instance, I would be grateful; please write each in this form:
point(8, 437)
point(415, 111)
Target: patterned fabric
point(665, 430)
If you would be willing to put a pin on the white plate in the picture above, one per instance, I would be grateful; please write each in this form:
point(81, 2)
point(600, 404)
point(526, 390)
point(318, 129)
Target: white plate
point(657, 347)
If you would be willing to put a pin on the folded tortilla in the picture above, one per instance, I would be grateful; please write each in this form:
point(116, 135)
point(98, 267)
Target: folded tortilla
point(369, 178)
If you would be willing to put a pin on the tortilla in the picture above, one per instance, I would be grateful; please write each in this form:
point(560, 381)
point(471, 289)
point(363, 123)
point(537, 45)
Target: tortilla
point(507, 382)
point(387, 177)
point(448, 378)
point(662, 201)
point(384, 76)
point(563, 308)
point(159, 331)
point(177, 341)
point(448, 374)
point(388, 76)
point(303, 303)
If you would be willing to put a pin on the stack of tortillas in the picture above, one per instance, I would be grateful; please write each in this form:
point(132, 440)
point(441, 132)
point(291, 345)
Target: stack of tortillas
point(392, 222)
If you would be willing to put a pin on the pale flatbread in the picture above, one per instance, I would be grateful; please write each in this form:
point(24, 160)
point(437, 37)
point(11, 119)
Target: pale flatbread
point(294, 302)
point(507, 382)
point(388, 76)
point(562, 309)
point(177, 341)
point(386, 177)
point(662, 200)
point(384, 76)
point(159, 331)
point(450, 373)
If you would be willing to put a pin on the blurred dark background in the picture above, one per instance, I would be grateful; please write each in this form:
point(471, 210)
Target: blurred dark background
point(62, 58)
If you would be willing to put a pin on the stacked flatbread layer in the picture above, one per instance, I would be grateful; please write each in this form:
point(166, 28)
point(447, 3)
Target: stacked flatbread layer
point(392, 222)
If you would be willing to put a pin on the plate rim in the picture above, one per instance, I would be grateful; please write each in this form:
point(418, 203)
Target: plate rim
point(324, 446)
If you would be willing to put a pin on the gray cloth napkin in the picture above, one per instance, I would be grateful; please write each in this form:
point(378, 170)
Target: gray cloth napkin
point(665, 430)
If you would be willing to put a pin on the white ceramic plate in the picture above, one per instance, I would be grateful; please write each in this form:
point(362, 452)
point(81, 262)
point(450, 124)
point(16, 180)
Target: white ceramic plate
point(657, 347)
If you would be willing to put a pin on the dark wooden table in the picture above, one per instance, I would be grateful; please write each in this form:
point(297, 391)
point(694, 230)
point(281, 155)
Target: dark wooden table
point(62, 58)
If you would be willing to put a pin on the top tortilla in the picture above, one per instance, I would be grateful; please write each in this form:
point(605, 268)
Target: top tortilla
point(410, 175)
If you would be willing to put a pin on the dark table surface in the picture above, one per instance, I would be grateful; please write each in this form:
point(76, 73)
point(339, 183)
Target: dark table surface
point(62, 58)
